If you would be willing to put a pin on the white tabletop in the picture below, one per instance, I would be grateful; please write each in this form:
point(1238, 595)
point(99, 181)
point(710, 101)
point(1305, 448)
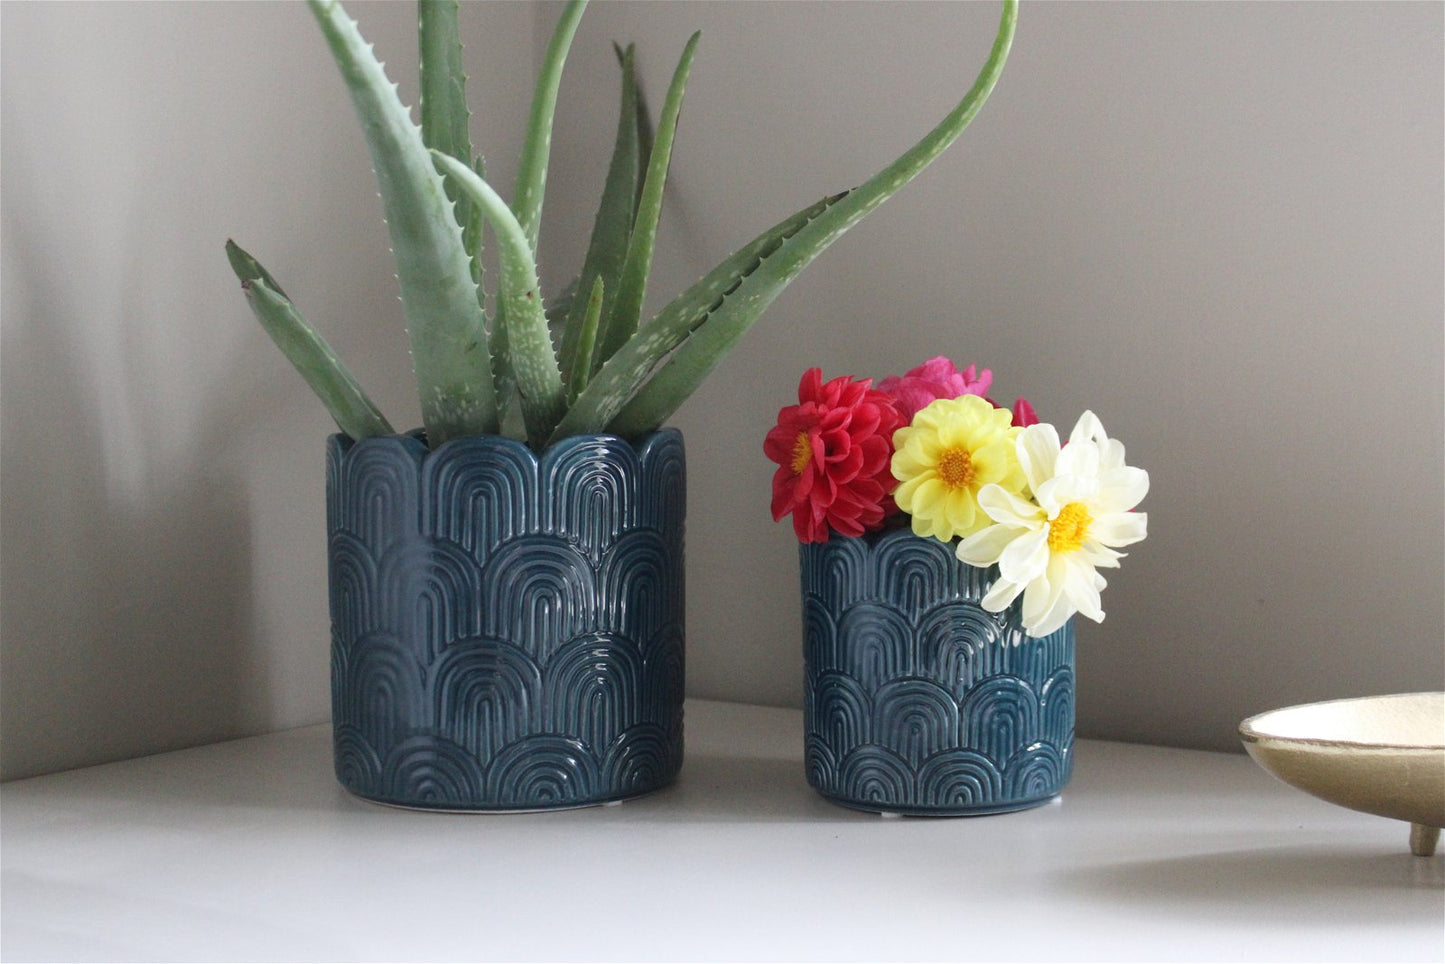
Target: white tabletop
point(250, 851)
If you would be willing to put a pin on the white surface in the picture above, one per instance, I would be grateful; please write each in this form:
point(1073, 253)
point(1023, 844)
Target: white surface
point(250, 851)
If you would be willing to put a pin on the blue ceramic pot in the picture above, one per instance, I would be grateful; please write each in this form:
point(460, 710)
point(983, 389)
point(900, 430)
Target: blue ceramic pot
point(916, 699)
point(507, 628)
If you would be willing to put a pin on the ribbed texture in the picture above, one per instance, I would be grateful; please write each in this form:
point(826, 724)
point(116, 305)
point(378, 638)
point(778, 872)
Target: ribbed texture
point(507, 630)
point(916, 699)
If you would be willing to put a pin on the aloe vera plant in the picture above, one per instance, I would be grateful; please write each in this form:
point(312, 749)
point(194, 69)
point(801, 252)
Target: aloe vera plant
point(606, 370)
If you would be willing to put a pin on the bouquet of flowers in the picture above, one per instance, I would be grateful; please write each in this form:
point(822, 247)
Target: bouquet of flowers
point(931, 450)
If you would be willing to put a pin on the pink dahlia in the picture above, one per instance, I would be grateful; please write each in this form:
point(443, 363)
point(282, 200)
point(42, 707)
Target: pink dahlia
point(833, 450)
point(934, 379)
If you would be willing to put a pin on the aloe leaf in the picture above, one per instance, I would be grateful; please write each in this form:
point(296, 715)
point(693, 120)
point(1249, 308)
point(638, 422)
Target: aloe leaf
point(626, 308)
point(644, 138)
point(676, 379)
point(332, 382)
point(503, 384)
point(644, 126)
point(248, 268)
point(617, 380)
point(559, 306)
point(607, 250)
point(444, 318)
point(519, 299)
point(582, 367)
point(532, 173)
point(444, 113)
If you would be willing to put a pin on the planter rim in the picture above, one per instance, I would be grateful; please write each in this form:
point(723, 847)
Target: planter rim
point(414, 441)
point(875, 536)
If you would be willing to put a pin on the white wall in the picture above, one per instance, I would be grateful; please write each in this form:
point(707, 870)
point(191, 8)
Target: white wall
point(163, 533)
point(1218, 225)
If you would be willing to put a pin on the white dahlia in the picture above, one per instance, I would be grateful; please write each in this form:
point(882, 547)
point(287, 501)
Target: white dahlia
point(1050, 549)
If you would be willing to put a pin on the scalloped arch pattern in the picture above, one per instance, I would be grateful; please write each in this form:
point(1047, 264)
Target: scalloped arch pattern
point(917, 700)
point(507, 629)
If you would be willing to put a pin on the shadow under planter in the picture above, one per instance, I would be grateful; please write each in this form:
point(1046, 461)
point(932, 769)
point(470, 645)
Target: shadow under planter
point(916, 699)
point(507, 628)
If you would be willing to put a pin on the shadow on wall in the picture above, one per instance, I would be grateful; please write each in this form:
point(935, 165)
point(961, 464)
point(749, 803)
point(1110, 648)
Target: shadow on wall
point(124, 615)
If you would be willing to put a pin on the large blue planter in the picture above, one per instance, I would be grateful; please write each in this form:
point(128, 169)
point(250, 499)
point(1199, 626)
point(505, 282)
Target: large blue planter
point(507, 628)
point(916, 699)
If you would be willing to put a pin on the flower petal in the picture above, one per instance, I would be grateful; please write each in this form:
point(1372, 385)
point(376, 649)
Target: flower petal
point(1026, 557)
point(1121, 488)
point(1038, 450)
point(1041, 597)
point(984, 547)
point(1099, 554)
point(1001, 595)
point(1118, 529)
point(1006, 507)
point(1078, 458)
point(1079, 586)
point(1088, 429)
point(1059, 491)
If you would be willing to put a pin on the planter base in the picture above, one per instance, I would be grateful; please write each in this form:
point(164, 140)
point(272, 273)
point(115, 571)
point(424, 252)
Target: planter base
point(610, 802)
point(979, 811)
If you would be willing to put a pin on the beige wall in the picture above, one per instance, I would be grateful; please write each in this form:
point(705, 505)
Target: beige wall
point(1217, 225)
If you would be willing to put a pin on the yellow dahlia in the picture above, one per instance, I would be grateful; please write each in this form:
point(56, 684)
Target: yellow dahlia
point(953, 448)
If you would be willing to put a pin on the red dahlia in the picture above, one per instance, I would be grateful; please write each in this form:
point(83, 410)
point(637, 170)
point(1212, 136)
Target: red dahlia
point(833, 449)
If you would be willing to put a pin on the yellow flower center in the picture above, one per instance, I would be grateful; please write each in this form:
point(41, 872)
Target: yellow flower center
point(802, 453)
point(955, 468)
point(1068, 532)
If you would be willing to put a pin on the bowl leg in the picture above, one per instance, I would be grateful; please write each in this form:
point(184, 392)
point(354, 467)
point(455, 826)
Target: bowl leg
point(1423, 839)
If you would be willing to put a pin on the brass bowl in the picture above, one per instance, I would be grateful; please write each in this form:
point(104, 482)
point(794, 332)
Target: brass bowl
point(1377, 754)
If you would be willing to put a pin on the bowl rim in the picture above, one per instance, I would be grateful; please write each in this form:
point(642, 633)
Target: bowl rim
point(1250, 734)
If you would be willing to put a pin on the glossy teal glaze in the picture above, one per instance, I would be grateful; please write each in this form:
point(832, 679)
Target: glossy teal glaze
point(507, 628)
point(916, 699)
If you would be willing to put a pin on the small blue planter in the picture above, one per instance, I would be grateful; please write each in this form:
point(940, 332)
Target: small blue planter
point(507, 628)
point(916, 699)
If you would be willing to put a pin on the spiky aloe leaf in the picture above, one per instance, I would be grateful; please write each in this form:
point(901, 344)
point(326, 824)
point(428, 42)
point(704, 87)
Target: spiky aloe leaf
point(445, 127)
point(519, 298)
point(532, 173)
point(680, 375)
point(248, 268)
point(587, 341)
point(607, 251)
point(444, 319)
point(618, 378)
point(332, 382)
point(626, 309)
point(559, 306)
point(444, 113)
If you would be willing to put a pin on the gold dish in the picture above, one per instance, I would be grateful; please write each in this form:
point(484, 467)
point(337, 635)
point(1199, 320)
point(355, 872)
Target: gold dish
point(1377, 754)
